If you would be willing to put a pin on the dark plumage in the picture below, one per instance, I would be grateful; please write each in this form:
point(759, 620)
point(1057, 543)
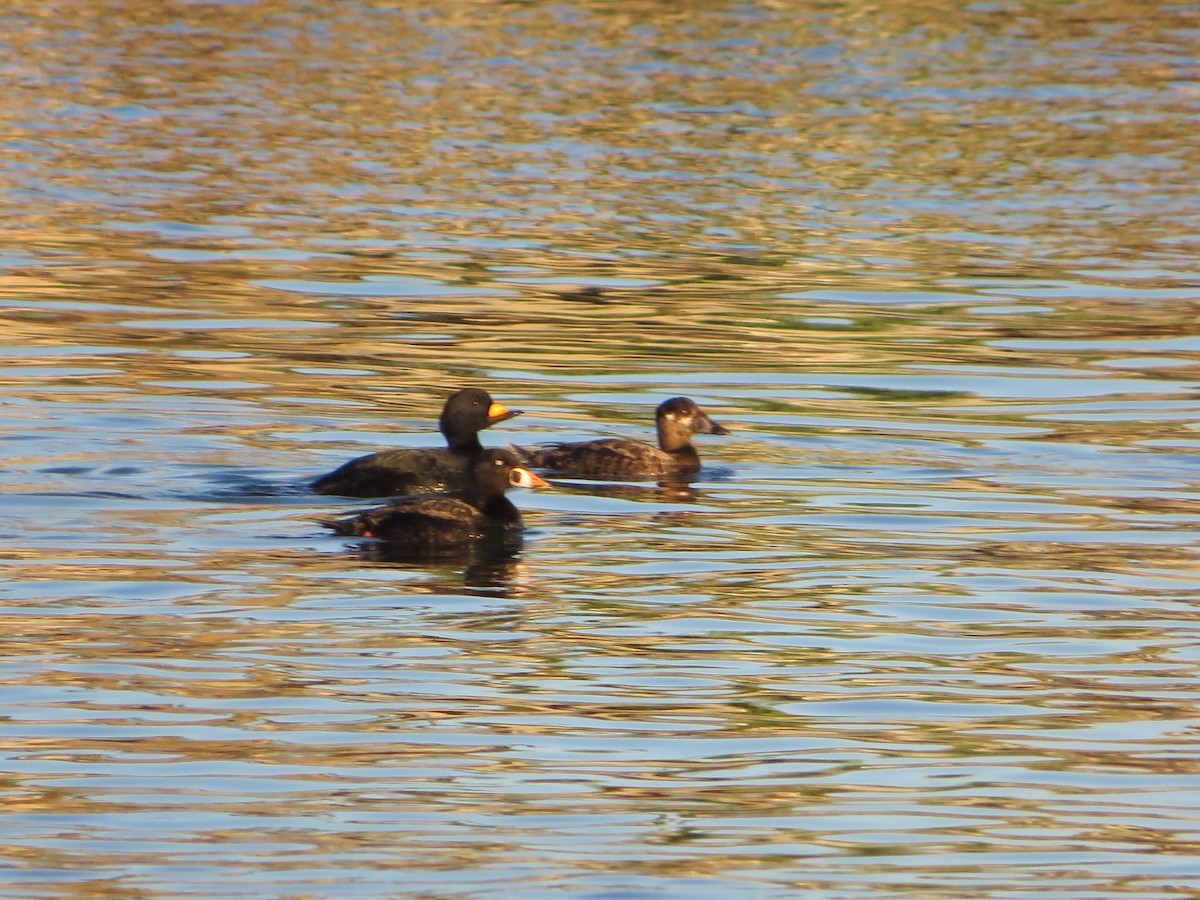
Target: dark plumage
point(410, 470)
point(677, 420)
point(435, 522)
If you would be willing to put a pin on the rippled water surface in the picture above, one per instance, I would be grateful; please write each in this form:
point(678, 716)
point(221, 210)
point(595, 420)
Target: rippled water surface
point(924, 626)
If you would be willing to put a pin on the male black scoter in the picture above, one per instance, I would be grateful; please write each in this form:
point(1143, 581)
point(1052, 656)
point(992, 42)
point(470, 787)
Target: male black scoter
point(432, 522)
point(411, 470)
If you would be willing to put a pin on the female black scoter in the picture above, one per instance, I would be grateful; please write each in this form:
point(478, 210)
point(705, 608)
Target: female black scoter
point(432, 522)
point(410, 470)
point(677, 419)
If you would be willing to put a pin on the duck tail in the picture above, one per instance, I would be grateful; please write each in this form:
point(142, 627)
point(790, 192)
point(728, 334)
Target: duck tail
point(351, 526)
point(530, 456)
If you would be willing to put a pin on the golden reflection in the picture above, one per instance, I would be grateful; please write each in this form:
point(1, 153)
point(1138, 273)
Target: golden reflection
point(361, 87)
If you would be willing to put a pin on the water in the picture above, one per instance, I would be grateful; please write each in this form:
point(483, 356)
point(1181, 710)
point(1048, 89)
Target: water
point(925, 624)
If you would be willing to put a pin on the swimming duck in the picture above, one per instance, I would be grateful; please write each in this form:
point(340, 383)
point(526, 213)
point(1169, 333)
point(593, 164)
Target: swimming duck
point(431, 522)
point(410, 470)
point(677, 420)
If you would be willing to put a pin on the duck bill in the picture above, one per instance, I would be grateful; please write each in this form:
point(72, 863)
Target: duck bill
point(711, 427)
point(522, 477)
point(498, 413)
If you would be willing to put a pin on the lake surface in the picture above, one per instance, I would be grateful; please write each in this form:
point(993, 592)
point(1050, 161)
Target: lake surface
point(925, 625)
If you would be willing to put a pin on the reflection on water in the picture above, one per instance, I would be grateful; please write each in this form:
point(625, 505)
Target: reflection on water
point(924, 624)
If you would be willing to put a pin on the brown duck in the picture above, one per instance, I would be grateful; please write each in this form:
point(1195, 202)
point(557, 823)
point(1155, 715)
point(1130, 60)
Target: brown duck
point(677, 420)
point(411, 470)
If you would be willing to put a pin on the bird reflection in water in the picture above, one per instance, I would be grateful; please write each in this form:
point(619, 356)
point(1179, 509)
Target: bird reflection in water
point(478, 567)
point(661, 492)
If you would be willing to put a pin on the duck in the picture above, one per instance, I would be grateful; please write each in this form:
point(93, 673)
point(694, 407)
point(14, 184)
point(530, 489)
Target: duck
point(429, 523)
point(412, 470)
point(677, 420)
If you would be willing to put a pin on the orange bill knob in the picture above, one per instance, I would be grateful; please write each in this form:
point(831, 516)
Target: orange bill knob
point(498, 413)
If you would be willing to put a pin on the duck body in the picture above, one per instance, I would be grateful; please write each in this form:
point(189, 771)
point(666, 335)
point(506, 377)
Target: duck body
point(429, 523)
point(411, 470)
point(611, 458)
point(676, 419)
point(398, 472)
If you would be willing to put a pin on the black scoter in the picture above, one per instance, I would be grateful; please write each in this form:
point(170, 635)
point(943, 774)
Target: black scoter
point(433, 522)
point(677, 420)
point(410, 470)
